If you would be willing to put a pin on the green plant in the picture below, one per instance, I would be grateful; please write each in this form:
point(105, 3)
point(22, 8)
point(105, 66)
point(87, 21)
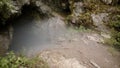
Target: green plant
point(13, 61)
point(115, 33)
point(116, 37)
point(6, 9)
point(82, 20)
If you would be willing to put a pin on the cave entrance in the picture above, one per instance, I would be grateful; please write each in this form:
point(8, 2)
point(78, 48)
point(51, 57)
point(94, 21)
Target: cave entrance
point(34, 31)
point(27, 28)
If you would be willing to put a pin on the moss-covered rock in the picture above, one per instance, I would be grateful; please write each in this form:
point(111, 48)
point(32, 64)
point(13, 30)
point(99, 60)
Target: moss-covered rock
point(110, 2)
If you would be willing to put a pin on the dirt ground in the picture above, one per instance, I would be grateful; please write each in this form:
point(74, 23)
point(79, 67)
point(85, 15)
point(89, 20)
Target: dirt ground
point(80, 50)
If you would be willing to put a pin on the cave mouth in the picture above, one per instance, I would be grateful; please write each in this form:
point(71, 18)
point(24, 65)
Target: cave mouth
point(32, 10)
point(35, 31)
point(25, 26)
point(29, 9)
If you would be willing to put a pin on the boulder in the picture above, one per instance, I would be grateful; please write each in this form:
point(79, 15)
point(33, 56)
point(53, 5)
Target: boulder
point(110, 2)
point(99, 20)
point(107, 1)
point(78, 8)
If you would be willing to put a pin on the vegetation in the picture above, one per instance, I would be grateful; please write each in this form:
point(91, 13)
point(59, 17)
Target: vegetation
point(90, 7)
point(13, 61)
point(115, 27)
point(84, 19)
point(6, 9)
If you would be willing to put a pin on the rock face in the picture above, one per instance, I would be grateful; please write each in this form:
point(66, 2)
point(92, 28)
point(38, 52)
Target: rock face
point(17, 6)
point(58, 5)
point(99, 19)
point(4, 43)
point(42, 8)
point(78, 8)
point(54, 4)
point(5, 40)
point(107, 1)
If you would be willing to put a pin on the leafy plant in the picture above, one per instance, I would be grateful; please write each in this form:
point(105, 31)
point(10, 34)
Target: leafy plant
point(6, 9)
point(115, 25)
point(13, 61)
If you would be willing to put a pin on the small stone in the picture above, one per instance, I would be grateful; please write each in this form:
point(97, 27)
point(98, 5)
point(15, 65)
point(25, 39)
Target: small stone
point(93, 63)
point(105, 35)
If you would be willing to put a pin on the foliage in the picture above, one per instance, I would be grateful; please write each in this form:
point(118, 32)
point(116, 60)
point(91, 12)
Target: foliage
point(6, 9)
point(90, 7)
point(82, 20)
point(13, 61)
point(115, 25)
